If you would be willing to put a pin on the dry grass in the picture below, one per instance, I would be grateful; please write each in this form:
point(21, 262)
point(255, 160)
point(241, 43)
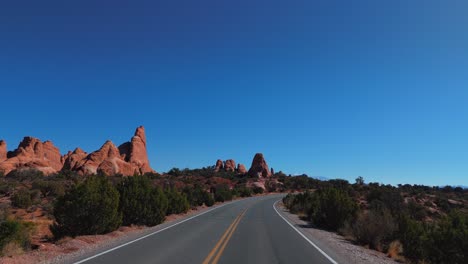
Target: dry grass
point(395, 249)
point(12, 249)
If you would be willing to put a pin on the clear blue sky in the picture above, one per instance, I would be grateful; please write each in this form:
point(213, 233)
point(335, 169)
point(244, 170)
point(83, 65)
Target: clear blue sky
point(328, 88)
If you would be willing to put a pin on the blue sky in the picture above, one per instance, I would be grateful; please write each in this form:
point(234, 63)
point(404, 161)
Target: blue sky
point(328, 88)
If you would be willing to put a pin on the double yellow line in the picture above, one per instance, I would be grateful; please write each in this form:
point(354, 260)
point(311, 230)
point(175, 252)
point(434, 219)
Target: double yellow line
point(222, 243)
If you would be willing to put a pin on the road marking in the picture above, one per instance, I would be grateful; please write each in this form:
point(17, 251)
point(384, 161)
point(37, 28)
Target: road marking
point(221, 245)
point(151, 234)
point(300, 233)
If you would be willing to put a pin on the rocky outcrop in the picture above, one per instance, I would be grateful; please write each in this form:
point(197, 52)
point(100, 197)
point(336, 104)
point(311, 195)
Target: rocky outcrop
point(135, 151)
point(219, 165)
point(241, 169)
point(230, 165)
point(128, 159)
point(3, 150)
point(32, 153)
point(259, 167)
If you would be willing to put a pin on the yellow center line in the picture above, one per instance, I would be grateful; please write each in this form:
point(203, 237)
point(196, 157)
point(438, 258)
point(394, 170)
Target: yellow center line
point(223, 241)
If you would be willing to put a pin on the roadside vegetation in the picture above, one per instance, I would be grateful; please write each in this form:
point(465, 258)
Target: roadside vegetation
point(416, 224)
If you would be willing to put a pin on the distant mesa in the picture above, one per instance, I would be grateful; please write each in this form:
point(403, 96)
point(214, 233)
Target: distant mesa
point(259, 167)
point(128, 159)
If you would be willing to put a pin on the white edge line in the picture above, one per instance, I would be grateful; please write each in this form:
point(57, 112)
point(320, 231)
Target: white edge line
point(300, 233)
point(154, 233)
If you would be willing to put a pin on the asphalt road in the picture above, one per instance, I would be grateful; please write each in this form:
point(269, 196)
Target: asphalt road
point(245, 231)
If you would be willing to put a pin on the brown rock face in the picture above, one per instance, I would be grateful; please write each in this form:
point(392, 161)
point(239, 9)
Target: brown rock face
point(137, 154)
point(219, 165)
point(230, 165)
point(129, 159)
point(32, 153)
point(259, 167)
point(241, 169)
point(3, 150)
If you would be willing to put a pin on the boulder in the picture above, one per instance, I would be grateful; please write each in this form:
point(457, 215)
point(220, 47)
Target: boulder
point(241, 169)
point(259, 167)
point(230, 165)
point(219, 165)
point(3, 150)
point(33, 154)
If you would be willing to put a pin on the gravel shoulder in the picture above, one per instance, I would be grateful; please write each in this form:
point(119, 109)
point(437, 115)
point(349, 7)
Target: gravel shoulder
point(336, 246)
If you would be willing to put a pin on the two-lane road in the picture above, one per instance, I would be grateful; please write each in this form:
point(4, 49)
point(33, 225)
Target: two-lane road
point(245, 231)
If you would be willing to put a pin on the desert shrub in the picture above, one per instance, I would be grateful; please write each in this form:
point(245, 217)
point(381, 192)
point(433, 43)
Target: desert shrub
point(197, 196)
point(447, 241)
point(331, 208)
point(413, 236)
point(243, 191)
point(257, 190)
point(140, 203)
point(15, 232)
point(222, 193)
point(89, 208)
point(208, 199)
point(374, 228)
point(177, 202)
point(25, 174)
point(300, 203)
point(22, 199)
point(389, 197)
point(416, 211)
point(49, 188)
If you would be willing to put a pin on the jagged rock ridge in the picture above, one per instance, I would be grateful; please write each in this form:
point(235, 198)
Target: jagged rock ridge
point(128, 159)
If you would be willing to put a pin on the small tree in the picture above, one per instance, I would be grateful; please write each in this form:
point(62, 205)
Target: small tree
point(332, 209)
point(21, 199)
point(87, 209)
point(177, 202)
point(360, 180)
point(223, 193)
point(141, 204)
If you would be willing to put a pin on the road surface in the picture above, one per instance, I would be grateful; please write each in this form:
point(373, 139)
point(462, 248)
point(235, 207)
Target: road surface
point(245, 231)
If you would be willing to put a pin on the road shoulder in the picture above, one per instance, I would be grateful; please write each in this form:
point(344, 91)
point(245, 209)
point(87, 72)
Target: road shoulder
point(334, 245)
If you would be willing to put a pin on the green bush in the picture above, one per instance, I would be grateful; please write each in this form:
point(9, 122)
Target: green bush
point(374, 228)
point(13, 231)
point(140, 203)
point(258, 190)
point(177, 201)
point(222, 193)
point(243, 191)
point(22, 199)
point(331, 209)
point(49, 188)
point(197, 196)
point(89, 208)
point(448, 240)
point(208, 199)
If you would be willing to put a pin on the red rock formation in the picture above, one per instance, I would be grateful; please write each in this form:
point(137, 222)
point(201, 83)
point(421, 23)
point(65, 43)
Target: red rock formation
point(72, 159)
point(3, 150)
point(129, 159)
point(259, 167)
point(230, 165)
point(219, 165)
point(241, 169)
point(32, 153)
point(135, 151)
